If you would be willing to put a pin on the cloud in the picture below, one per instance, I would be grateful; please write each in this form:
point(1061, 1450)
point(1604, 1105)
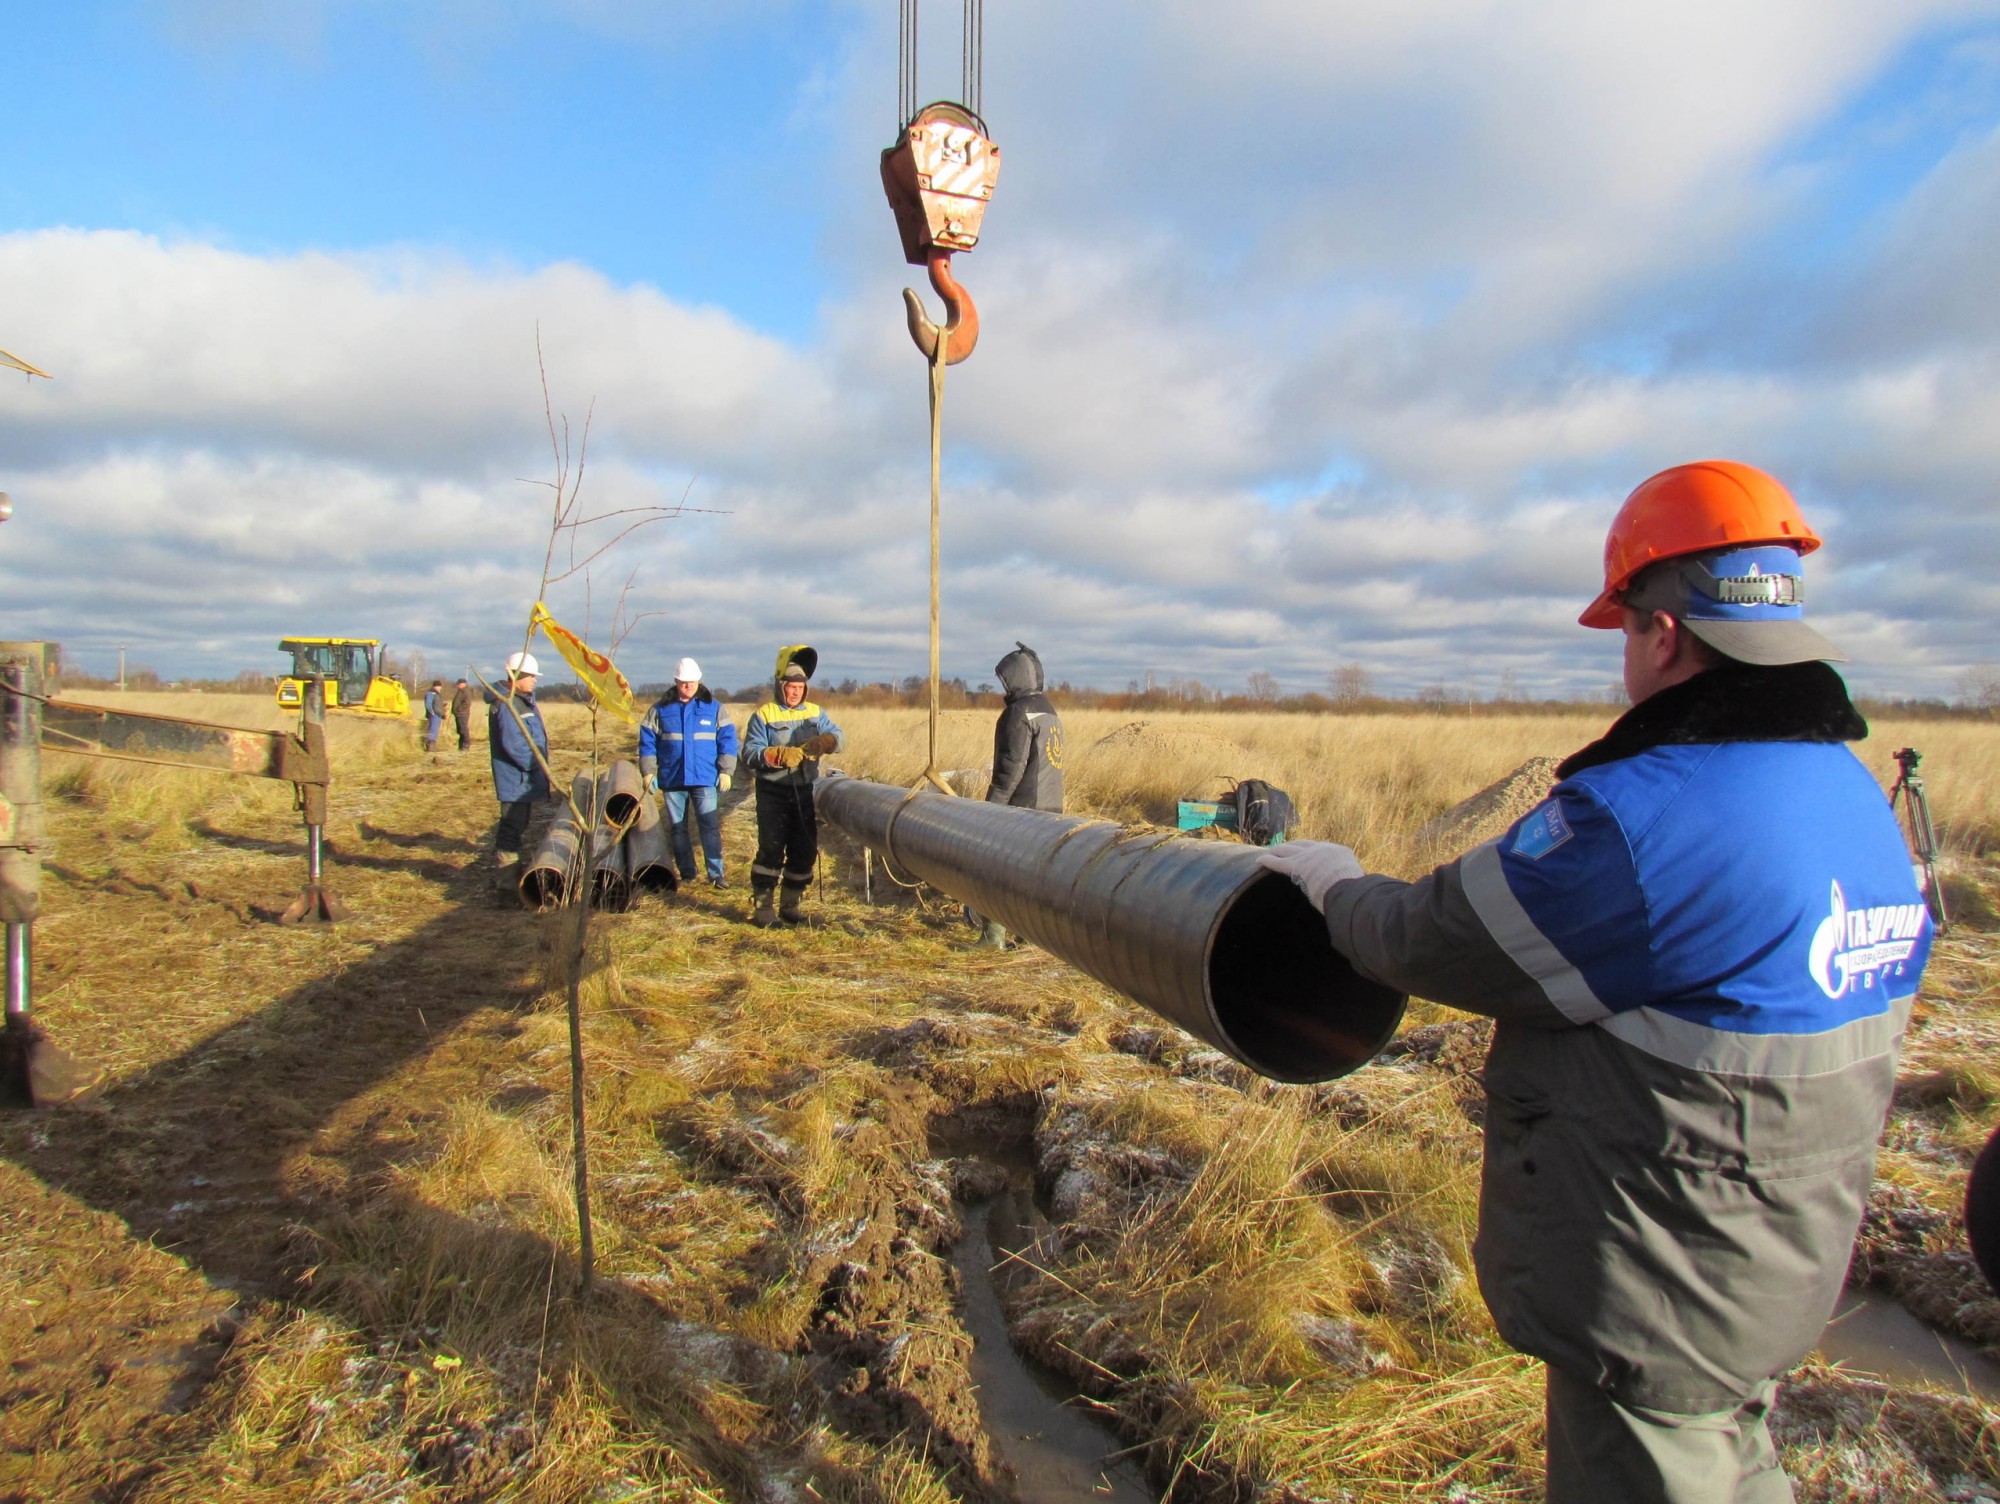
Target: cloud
point(1313, 335)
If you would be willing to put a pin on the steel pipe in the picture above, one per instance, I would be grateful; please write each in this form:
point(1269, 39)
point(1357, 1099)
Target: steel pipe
point(545, 880)
point(546, 877)
point(1195, 930)
point(649, 855)
point(20, 972)
point(624, 793)
point(610, 876)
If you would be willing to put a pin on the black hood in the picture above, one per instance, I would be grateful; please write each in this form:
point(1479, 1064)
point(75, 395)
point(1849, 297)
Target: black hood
point(1020, 672)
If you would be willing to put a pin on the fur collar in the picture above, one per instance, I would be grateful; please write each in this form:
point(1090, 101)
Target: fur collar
point(1795, 702)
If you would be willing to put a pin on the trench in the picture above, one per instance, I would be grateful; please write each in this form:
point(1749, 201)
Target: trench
point(1056, 1451)
point(1057, 1454)
point(1872, 1333)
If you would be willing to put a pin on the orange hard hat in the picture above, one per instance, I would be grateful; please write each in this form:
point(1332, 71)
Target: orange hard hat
point(1689, 510)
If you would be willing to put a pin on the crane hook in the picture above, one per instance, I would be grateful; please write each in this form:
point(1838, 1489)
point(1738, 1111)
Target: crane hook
point(961, 324)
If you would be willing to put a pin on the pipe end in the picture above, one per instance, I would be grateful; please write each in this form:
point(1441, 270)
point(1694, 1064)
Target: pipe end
point(1285, 1002)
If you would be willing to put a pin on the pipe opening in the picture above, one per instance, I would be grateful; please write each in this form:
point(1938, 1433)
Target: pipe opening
point(542, 888)
point(1288, 1004)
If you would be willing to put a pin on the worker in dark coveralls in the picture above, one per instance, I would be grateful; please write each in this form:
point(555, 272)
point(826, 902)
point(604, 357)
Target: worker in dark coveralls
point(461, 713)
point(782, 745)
point(1027, 755)
point(514, 733)
point(1701, 951)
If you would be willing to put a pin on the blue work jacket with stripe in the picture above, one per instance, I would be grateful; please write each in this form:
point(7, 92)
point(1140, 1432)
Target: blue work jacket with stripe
point(1702, 950)
point(516, 773)
point(686, 743)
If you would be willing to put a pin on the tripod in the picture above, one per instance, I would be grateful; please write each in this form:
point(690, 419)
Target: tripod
point(1913, 809)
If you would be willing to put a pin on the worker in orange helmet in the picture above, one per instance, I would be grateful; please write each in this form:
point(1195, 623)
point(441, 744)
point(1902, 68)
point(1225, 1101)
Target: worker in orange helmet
point(1701, 951)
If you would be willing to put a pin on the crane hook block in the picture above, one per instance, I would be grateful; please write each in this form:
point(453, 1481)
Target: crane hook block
point(939, 177)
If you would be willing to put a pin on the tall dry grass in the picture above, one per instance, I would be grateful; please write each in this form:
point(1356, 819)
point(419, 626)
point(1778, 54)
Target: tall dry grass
point(1273, 1285)
point(1368, 781)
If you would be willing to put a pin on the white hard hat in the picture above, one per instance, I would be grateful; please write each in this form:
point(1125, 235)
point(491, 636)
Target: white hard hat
point(523, 663)
point(687, 671)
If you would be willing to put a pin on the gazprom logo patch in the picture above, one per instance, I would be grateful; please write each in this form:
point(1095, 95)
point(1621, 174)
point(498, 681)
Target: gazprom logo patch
point(1852, 946)
point(1541, 832)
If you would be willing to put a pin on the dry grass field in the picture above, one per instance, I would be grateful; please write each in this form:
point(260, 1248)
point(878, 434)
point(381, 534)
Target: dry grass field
point(315, 1241)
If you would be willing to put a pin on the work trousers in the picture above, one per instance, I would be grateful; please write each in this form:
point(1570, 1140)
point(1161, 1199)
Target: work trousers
point(464, 733)
point(787, 837)
point(432, 726)
point(1600, 1450)
point(514, 818)
point(710, 821)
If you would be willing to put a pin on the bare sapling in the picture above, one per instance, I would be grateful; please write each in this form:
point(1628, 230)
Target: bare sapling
point(573, 546)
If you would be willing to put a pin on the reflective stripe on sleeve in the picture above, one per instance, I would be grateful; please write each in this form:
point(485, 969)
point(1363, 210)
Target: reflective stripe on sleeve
point(1515, 933)
point(1700, 1047)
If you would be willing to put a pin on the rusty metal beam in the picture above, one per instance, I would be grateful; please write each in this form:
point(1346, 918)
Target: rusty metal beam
point(166, 741)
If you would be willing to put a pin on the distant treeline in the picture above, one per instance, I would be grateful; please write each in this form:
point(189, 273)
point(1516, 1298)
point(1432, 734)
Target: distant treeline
point(1348, 694)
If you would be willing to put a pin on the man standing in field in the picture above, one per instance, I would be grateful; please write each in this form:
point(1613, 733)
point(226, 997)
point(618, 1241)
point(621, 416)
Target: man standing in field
point(1027, 755)
point(514, 734)
point(783, 744)
point(1701, 951)
point(687, 750)
point(433, 714)
point(461, 713)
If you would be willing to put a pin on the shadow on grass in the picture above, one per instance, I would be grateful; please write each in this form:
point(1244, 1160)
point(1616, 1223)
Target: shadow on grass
point(428, 840)
point(264, 1156)
point(343, 855)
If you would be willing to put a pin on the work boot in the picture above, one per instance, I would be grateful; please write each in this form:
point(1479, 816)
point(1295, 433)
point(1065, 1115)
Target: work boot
point(765, 914)
point(506, 871)
point(991, 937)
point(788, 906)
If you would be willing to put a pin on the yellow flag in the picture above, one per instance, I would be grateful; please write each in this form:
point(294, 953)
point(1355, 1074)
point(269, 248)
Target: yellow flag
point(610, 687)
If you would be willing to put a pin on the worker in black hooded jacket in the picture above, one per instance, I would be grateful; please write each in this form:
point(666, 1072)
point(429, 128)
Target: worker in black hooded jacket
point(1027, 752)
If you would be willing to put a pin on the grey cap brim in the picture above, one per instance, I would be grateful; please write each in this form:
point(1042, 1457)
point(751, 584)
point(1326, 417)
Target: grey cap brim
point(1766, 643)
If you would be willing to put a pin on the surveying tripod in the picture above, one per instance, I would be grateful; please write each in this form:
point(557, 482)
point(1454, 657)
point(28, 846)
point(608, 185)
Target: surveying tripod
point(1913, 809)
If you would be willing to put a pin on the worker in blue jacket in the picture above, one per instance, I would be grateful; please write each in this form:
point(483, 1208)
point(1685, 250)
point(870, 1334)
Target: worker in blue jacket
point(687, 750)
point(433, 714)
point(786, 738)
point(1701, 951)
point(514, 734)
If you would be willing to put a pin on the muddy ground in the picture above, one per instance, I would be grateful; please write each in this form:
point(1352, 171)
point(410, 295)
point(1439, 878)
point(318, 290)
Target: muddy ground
point(313, 1238)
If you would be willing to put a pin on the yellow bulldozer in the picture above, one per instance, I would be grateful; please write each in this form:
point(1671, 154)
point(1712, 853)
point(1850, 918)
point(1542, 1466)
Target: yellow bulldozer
point(352, 668)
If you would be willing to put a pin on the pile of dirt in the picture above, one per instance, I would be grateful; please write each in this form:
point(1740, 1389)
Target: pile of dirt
point(1490, 811)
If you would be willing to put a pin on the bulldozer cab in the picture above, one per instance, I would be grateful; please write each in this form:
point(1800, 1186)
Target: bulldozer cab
point(351, 667)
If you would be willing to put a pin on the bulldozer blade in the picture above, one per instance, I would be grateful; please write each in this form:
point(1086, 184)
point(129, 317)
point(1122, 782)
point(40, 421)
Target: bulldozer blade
point(38, 1072)
point(314, 906)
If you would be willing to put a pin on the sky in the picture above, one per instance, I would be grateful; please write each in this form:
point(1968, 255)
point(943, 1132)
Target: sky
point(1314, 334)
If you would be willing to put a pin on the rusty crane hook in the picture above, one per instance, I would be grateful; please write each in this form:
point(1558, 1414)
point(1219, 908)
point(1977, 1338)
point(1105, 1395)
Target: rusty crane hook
point(961, 324)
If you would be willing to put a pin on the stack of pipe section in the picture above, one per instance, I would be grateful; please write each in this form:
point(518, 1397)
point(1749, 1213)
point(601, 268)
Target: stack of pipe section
point(626, 849)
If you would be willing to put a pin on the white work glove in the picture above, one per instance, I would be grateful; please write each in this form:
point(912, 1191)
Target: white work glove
point(722, 783)
point(652, 783)
point(1316, 866)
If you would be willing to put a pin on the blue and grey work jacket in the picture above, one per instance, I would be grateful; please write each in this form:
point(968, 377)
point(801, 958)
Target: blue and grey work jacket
point(516, 774)
point(1702, 956)
point(686, 743)
point(774, 725)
